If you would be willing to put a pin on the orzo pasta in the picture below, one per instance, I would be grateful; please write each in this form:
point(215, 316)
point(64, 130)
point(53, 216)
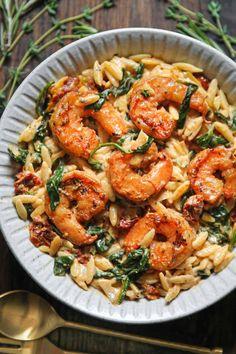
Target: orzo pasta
point(128, 178)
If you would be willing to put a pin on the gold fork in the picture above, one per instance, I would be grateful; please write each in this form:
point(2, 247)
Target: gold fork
point(39, 346)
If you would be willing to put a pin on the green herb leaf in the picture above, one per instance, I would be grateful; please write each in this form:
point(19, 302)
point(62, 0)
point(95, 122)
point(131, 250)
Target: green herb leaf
point(184, 107)
point(116, 257)
point(105, 239)
point(53, 185)
point(145, 93)
point(128, 271)
point(230, 122)
point(220, 213)
point(41, 131)
point(42, 99)
point(214, 8)
point(20, 157)
point(125, 85)
point(27, 27)
point(217, 233)
point(108, 3)
point(62, 265)
point(124, 288)
point(139, 71)
point(83, 30)
point(97, 105)
point(143, 148)
point(202, 274)
point(87, 14)
point(209, 139)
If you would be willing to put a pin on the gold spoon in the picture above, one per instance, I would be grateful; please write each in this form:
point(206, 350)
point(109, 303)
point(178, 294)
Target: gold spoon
point(27, 316)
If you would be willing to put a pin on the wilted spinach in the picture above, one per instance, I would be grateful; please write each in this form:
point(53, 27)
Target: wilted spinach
point(230, 122)
point(96, 106)
point(220, 213)
point(62, 265)
point(202, 274)
point(209, 139)
point(53, 185)
point(42, 110)
point(124, 87)
point(129, 270)
point(184, 107)
point(42, 100)
point(20, 158)
point(217, 233)
point(105, 239)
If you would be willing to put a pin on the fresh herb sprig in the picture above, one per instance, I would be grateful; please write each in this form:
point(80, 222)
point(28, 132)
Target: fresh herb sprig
point(40, 44)
point(195, 25)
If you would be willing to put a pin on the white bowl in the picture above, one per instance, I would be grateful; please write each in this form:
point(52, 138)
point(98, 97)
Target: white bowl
point(73, 58)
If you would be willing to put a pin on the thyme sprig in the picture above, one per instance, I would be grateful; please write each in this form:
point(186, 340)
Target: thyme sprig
point(195, 25)
point(12, 13)
point(37, 46)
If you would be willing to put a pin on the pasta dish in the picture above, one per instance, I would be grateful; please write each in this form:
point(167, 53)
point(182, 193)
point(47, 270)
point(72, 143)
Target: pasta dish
point(127, 176)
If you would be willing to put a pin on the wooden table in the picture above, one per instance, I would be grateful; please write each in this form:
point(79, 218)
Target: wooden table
point(215, 326)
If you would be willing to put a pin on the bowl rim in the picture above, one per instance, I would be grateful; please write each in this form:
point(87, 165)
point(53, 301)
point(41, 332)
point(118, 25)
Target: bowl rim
point(5, 114)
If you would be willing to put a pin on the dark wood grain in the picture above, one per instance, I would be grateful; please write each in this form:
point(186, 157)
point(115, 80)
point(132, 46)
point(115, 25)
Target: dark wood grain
point(214, 326)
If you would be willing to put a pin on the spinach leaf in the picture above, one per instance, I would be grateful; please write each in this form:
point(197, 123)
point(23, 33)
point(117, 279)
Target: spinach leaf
point(130, 135)
point(96, 164)
point(143, 148)
point(220, 213)
point(145, 93)
point(202, 274)
point(53, 185)
point(116, 257)
point(217, 233)
point(105, 239)
point(209, 139)
point(184, 107)
point(125, 286)
point(96, 106)
point(230, 122)
point(42, 129)
point(20, 158)
point(62, 265)
point(139, 71)
point(129, 270)
point(29, 209)
point(124, 87)
point(42, 100)
point(104, 274)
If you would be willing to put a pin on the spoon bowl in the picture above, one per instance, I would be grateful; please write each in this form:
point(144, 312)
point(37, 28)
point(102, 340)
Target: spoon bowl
point(26, 316)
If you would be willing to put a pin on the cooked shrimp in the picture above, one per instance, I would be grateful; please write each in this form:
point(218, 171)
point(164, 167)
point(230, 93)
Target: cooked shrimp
point(173, 238)
point(66, 124)
point(193, 207)
point(203, 168)
point(81, 198)
point(110, 119)
point(128, 180)
point(145, 111)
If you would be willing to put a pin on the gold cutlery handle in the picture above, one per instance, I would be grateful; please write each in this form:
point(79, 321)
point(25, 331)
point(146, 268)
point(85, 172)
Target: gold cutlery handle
point(141, 339)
